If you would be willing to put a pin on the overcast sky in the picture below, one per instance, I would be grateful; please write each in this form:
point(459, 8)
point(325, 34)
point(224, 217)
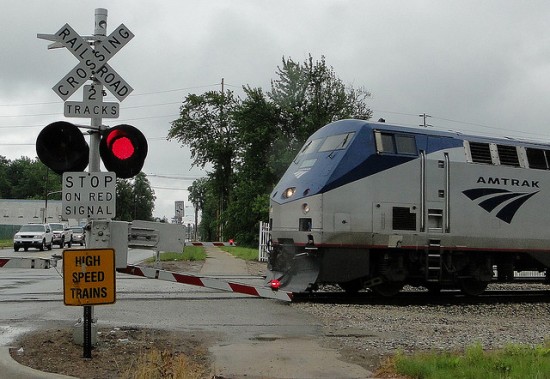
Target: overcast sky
point(474, 66)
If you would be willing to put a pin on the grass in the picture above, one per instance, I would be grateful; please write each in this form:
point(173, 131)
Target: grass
point(163, 364)
point(6, 243)
point(246, 253)
point(511, 362)
point(190, 253)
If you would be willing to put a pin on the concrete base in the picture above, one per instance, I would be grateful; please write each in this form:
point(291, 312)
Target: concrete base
point(78, 333)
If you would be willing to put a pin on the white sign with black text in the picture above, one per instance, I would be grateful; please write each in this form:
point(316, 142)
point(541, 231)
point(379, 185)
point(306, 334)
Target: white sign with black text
point(92, 106)
point(89, 195)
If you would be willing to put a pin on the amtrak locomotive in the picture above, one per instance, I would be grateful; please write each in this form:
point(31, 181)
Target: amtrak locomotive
point(371, 205)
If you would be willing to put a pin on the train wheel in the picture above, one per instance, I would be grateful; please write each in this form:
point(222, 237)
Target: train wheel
point(353, 286)
point(434, 288)
point(473, 287)
point(388, 289)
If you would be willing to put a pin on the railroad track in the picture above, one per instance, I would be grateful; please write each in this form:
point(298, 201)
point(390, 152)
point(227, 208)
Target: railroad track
point(450, 297)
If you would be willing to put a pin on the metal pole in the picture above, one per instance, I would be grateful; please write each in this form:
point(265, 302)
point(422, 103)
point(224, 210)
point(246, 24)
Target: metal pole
point(87, 327)
point(100, 30)
point(46, 201)
point(96, 122)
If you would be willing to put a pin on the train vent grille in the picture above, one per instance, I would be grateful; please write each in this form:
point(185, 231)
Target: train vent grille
point(481, 152)
point(403, 219)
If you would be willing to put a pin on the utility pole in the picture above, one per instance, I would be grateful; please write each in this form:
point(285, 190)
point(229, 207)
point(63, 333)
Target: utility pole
point(424, 117)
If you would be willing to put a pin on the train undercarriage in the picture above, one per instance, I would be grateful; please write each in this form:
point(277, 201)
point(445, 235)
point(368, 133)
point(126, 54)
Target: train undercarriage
point(387, 271)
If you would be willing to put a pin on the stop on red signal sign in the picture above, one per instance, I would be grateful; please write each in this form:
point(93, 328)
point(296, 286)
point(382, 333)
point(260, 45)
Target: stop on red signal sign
point(123, 150)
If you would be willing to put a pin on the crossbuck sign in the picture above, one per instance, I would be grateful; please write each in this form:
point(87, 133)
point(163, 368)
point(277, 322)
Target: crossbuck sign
point(92, 61)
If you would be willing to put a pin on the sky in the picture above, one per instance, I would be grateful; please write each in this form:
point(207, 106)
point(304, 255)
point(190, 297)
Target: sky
point(472, 66)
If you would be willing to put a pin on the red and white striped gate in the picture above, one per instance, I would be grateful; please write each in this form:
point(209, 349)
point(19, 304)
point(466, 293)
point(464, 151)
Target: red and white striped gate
point(207, 282)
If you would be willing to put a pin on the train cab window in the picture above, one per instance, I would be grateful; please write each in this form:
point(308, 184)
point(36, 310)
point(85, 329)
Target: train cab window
point(391, 143)
point(405, 144)
point(481, 152)
point(337, 142)
point(537, 158)
point(508, 155)
point(310, 146)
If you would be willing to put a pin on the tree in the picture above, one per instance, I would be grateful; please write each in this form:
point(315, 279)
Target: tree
point(135, 199)
point(272, 128)
point(4, 178)
point(257, 119)
point(144, 198)
point(124, 200)
point(206, 125)
point(310, 95)
point(197, 197)
point(30, 179)
point(250, 143)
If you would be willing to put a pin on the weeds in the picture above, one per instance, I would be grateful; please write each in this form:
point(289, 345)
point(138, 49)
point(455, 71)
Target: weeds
point(511, 362)
point(166, 365)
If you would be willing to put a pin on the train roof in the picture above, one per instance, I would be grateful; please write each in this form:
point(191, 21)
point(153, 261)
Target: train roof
point(355, 124)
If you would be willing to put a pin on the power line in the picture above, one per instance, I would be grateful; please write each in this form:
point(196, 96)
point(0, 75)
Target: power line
point(131, 95)
point(177, 177)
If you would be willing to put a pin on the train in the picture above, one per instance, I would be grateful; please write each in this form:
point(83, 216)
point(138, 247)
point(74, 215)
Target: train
point(379, 206)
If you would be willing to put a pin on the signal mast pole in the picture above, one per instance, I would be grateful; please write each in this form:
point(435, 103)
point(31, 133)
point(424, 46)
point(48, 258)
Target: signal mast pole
point(100, 32)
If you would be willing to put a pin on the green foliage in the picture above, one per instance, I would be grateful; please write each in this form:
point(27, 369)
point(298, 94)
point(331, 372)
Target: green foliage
point(514, 361)
point(206, 125)
point(251, 142)
point(26, 178)
point(246, 253)
point(135, 199)
point(144, 198)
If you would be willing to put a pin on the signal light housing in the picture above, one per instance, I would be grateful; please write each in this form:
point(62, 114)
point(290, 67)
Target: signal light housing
point(62, 147)
point(123, 149)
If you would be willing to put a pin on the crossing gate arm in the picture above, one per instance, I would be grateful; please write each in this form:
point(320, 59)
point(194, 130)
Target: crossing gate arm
point(27, 263)
point(207, 282)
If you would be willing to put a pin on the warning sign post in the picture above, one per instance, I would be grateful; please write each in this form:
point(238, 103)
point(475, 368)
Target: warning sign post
point(89, 277)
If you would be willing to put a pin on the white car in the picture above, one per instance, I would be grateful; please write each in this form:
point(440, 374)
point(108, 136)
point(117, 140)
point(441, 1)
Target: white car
point(33, 235)
point(62, 234)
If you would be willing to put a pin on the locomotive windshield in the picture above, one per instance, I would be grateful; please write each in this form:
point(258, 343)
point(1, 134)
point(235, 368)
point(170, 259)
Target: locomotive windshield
point(337, 142)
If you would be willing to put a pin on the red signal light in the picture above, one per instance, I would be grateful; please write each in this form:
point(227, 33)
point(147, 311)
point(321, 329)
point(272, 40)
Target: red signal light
point(123, 149)
point(274, 284)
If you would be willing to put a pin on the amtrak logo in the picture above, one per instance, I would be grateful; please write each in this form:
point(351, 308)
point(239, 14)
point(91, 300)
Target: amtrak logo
point(505, 203)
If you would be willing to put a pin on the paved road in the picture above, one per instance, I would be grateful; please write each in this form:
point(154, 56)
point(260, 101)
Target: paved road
point(258, 338)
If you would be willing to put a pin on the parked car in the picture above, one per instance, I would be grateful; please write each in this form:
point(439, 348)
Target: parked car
point(79, 235)
point(39, 236)
point(62, 235)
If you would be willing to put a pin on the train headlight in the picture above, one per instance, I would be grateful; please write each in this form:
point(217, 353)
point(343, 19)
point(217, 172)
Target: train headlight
point(289, 192)
point(305, 208)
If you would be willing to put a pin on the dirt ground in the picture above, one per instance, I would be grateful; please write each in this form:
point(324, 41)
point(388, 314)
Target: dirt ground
point(117, 354)
point(118, 350)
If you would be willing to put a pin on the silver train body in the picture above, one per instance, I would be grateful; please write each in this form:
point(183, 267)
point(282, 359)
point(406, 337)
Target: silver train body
point(380, 206)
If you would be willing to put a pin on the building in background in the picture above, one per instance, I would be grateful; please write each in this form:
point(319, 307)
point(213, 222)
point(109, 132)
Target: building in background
point(14, 213)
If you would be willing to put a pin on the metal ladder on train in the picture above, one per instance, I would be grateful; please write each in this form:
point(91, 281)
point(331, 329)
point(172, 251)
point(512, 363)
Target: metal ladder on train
point(433, 261)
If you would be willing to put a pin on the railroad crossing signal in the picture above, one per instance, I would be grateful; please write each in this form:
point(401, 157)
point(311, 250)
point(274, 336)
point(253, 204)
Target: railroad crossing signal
point(123, 149)
point(92, 61)
point(61, 146)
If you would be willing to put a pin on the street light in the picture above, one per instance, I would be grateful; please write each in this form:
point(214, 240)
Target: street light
point(46, 205)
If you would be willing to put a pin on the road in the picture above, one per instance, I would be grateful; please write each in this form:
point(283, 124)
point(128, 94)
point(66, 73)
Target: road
point(257, 337)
